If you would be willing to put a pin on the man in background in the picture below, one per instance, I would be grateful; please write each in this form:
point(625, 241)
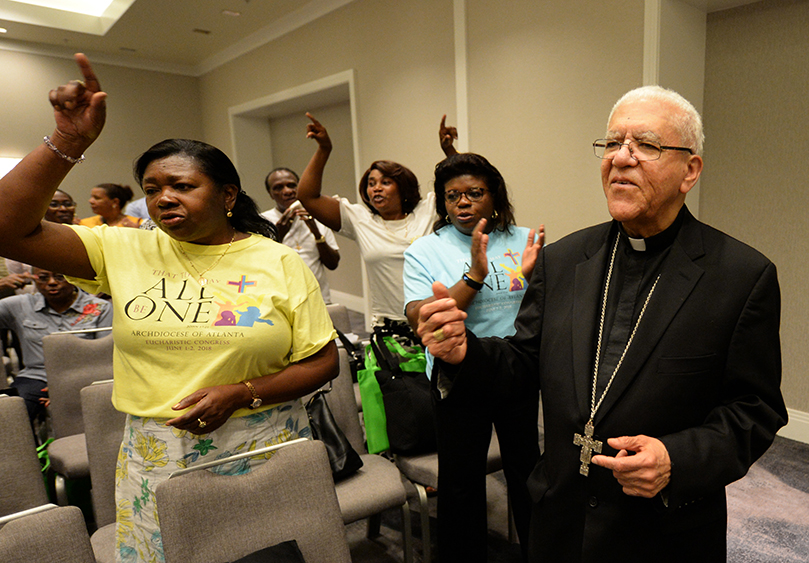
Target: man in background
point(57, 306)
point(313, 241)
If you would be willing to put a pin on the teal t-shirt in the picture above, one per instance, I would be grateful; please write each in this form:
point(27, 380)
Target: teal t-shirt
point(444, 256)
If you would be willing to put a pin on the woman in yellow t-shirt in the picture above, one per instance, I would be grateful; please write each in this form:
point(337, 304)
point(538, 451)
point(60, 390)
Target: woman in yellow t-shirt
point(219, 330)
point(108, 202)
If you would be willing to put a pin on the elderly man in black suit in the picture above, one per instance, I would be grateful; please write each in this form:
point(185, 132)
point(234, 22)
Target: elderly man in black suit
point(654, 339)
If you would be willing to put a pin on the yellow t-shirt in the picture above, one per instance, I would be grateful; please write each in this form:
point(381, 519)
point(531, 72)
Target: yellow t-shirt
point(97, 221)
point(260, 311)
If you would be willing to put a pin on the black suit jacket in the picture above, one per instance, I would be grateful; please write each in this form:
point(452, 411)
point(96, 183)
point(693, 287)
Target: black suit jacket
point(702, 375)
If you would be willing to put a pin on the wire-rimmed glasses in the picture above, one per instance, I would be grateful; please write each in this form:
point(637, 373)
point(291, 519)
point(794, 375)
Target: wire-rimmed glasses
point(645, 151)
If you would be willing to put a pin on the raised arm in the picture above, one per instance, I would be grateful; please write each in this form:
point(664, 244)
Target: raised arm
point(25, 192)
point(447, 136)
point(323, 208)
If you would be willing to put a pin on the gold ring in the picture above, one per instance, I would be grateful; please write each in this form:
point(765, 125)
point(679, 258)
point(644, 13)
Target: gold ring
point(202, 423)
point(439, 335)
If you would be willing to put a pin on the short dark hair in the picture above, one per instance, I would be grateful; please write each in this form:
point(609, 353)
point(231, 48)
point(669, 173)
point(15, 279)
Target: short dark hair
point(218, 167)
point(123, 194)
point(405, 179)
point(280, 169)
point(472, 164)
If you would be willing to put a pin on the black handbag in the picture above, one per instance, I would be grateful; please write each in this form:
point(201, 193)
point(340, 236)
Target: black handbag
point(355, 358)
point(408, 402)
point(344, 459)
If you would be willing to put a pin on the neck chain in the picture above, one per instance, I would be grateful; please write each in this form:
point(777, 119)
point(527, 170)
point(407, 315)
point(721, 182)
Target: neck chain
point(587, 442)
point(407, 222)
point(201, 279)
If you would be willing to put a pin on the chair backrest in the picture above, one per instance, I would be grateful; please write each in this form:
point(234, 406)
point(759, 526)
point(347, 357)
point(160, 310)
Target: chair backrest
point(21, 483)
point(339, 317)
point(58, 535)
point(73, 363)
point(343, 405)
point(103, 431)
point(290, 496)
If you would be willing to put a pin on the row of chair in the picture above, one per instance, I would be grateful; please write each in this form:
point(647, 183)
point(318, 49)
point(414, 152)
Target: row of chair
point(377, 487)
point(291, 492)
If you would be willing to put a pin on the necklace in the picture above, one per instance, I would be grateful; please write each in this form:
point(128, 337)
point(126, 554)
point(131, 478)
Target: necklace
point(201, 279)
point(587, 442)
point(407, 220)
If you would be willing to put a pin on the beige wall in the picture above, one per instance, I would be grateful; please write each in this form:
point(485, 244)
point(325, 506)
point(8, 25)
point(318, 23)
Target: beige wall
point(139, 114)
point(542, 77)
point(291, 149)
point(541, 84)
point(527, 68)
point(754, 185)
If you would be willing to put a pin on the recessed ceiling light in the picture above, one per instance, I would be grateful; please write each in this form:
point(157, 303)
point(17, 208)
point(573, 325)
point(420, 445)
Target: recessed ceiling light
point(87, 7)
point(3, 30)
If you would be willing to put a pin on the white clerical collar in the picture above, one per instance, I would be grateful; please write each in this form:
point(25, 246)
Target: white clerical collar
point(638, 244)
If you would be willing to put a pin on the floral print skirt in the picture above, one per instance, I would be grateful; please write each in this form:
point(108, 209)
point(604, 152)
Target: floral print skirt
point(151, 451)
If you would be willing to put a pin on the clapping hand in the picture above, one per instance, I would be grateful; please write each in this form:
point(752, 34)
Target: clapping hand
point(532, 248)
point(79, 108)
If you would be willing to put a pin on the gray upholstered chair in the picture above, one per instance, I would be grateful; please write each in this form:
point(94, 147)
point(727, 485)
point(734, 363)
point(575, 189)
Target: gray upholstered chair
point(339, 317)
point(71, 364)
point(290, 496)
point(378, 485)
point(103, 431)
point(422, 471)
point(54, 534)
point(21, 484)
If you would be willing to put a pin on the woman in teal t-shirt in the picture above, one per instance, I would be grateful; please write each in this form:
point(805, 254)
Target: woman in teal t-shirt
point(485, 260)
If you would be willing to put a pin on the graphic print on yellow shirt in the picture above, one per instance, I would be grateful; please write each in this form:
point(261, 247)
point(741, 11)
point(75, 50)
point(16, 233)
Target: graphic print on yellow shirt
point(260, 310)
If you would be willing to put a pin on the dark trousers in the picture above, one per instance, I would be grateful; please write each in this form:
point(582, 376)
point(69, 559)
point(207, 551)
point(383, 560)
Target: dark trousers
point(464, 423)
point(31, 391)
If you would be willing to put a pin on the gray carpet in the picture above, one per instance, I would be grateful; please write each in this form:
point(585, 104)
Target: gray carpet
point(768, 516)
point(768, 510)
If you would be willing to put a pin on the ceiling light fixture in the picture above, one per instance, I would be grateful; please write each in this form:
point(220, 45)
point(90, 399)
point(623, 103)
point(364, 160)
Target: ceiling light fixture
point(86, 7)
point(231, 13)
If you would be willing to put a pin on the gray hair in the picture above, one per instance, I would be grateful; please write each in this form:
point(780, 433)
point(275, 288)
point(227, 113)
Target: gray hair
point(687, 120)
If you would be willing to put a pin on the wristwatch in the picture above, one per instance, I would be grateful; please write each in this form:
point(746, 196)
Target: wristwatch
point(256, 399)
point(473, 283)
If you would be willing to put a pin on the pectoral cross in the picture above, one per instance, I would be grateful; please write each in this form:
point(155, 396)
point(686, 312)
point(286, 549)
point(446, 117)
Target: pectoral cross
point(588, 446)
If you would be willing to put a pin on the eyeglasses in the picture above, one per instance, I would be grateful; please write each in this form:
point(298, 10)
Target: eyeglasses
point(45, 278)
point(66, 204)
point(472, 196)
point(639, 150)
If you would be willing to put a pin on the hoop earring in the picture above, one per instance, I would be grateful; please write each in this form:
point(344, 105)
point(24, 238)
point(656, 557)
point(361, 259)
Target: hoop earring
point(229, 214)
point(494, 215)
point(447, 219)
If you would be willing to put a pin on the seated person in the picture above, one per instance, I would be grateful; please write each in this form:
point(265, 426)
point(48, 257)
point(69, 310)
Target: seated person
point(56, 307)
point(17, 277)
point(297, 229)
